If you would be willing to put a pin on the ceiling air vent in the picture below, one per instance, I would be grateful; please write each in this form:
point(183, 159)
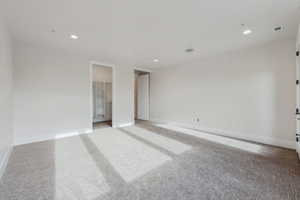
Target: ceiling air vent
point(189, 50)
point(278, 28)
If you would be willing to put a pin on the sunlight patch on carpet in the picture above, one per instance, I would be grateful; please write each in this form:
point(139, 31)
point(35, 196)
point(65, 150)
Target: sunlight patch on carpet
point(129, 157)
point(76, 175)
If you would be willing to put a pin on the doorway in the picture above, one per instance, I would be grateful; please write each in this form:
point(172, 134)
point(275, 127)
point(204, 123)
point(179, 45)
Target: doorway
point(102, 80)
point(142, 95)
point(298, 96)
point(298, 93)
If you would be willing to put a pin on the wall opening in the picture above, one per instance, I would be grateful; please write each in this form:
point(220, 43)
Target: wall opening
point(102, 95)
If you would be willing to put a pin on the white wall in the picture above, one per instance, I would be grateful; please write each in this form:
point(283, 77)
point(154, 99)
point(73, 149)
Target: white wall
point(248, 94)
point(123, 96)
point(6, 95)
point(53, 94)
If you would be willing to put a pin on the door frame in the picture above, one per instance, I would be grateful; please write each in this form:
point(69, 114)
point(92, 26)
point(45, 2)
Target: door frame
point(91, 65)
point(298, 92)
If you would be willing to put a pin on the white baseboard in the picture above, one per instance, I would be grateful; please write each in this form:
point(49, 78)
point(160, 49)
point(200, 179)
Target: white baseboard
point(124, 125)
point(259, 139)
point(62, 135)
point(4, 157)
point(54, 136)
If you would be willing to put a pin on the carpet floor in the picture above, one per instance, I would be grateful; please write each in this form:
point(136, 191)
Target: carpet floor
point(150, 162)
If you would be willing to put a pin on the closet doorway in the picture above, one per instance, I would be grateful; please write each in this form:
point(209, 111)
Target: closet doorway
point(102, 80)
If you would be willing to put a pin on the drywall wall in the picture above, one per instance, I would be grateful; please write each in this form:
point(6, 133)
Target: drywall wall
point(123, 96)
point(248, 94)
point(53, 94)
point(6, 95)
point(102, 73)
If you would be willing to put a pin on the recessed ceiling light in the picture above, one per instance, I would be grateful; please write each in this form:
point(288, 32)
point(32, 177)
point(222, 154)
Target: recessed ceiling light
point(156, 60)
point(247, 32)
point(74, 37)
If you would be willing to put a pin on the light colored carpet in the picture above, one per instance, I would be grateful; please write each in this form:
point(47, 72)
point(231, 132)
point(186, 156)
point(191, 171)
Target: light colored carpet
point(129, 157)
point(149, 162)
point(161, 141)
